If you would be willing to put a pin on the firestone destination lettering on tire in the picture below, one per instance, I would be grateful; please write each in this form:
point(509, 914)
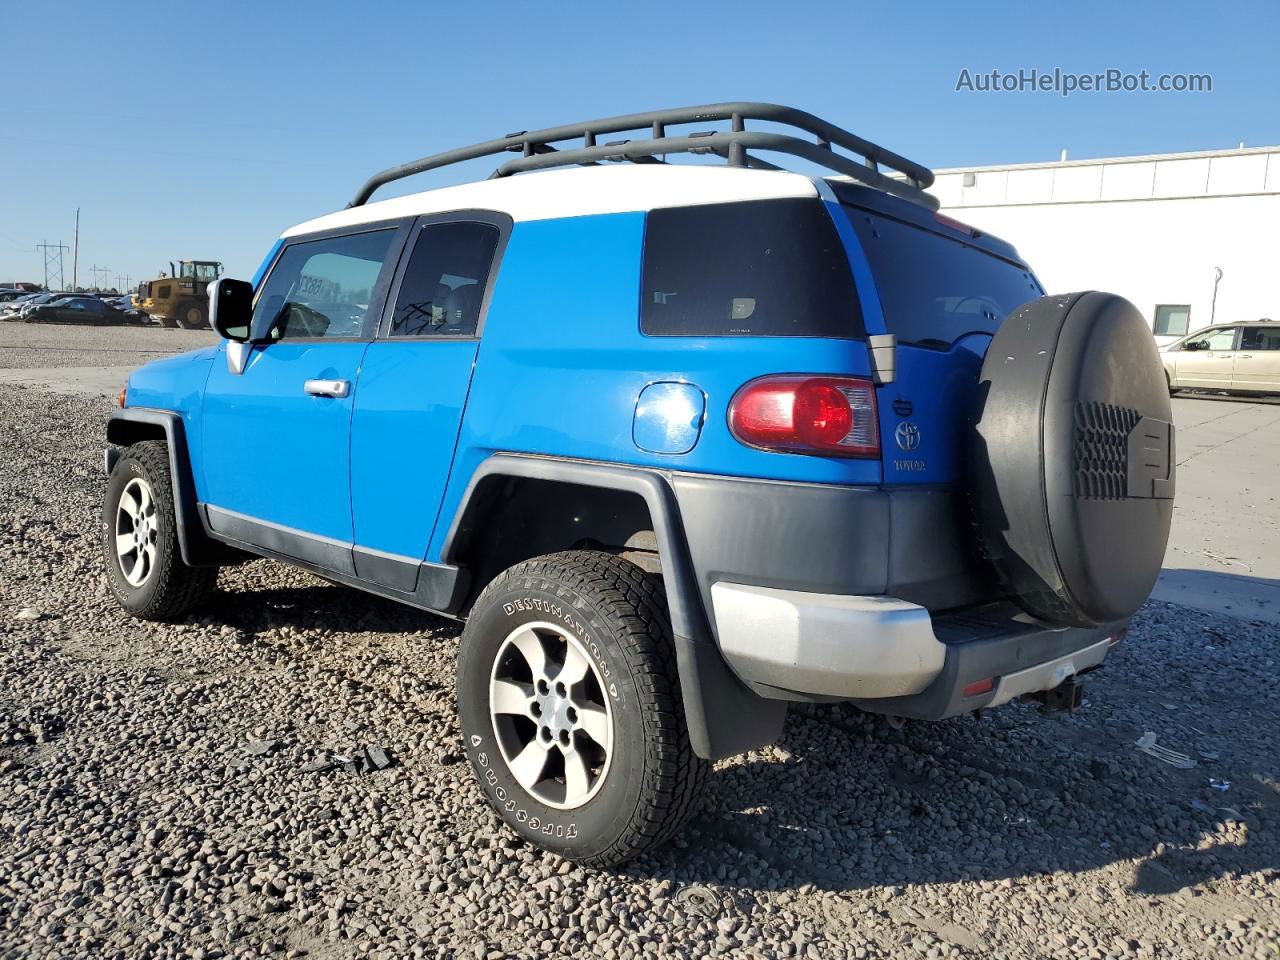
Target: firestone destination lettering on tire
point(504, 800)
point(555, 610)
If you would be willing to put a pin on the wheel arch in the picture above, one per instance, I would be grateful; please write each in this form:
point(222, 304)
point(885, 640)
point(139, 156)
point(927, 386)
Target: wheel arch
point(134, 425)
point(541, 497)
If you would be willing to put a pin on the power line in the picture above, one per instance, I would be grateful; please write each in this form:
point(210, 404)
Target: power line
point(53, 263)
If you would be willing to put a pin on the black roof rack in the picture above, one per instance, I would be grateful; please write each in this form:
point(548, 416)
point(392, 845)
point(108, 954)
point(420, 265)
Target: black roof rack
point(537, 150)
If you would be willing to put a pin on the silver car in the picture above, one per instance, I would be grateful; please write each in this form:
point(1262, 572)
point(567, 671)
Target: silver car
point(1239, 357)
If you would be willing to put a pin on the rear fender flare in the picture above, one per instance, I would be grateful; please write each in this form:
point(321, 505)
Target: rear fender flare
point(723, 716)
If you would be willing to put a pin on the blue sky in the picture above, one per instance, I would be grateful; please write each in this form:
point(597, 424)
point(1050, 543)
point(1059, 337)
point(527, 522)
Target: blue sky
point(271, 113)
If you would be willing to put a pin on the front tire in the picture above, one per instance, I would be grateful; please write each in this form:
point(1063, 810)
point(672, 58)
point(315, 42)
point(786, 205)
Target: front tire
point(570, 708)
point(140, 550)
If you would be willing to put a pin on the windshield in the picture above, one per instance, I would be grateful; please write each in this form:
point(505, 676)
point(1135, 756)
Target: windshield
point(935, 289)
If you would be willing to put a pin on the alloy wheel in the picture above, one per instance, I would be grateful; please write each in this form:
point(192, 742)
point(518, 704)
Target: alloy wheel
point(137, 527)
point(551, 715)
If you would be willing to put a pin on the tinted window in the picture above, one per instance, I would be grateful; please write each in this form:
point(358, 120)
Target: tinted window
point(1260, 338)
point(444, 284)
point(321, 288)
point(768, 268)
point(933, 288)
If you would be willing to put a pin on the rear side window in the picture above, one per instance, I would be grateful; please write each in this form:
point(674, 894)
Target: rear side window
point(935, 289)
point(1260, 338)
point(765, 268)
point(443, 286)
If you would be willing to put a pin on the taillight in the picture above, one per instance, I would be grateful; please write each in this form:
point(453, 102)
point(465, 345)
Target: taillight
point(800, 414)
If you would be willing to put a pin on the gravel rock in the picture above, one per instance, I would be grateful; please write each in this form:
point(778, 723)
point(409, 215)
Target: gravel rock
point(132, 823)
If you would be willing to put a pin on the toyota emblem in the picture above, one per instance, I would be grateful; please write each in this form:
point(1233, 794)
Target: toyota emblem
point(907, 436)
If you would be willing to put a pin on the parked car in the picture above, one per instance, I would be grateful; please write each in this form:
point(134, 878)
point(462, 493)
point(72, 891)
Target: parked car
point(39, 299)
point(126, 308)
point(681, 443)
point(1237, 358)
point(10, 309)
point(76, 309)
point(7, 295)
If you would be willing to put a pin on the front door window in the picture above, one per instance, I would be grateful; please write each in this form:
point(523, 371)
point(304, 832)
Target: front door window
point(322, 289)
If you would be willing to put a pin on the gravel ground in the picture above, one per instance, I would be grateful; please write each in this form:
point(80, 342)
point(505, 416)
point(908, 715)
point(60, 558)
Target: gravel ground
point(31, 345)
point(154, 799)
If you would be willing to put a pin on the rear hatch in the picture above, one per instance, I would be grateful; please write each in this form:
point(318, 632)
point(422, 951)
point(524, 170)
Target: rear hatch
point(944, 289)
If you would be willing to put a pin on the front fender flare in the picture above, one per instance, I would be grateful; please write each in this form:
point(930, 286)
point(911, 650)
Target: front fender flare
point(133, 424)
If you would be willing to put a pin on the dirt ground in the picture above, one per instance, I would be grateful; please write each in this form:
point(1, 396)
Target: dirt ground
point(154, 800)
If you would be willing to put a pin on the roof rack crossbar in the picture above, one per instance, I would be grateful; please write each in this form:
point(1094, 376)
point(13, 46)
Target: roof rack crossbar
point(537, 153)
point(732, 145)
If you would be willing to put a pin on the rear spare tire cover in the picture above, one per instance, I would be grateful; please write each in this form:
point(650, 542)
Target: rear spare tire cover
point(1073, 467)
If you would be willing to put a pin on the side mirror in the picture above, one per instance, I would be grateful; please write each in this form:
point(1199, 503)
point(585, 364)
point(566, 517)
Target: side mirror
point(231, 308)
point(1194, 345)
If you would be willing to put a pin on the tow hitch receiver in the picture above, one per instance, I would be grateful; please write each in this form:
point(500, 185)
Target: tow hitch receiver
point(1068, 695)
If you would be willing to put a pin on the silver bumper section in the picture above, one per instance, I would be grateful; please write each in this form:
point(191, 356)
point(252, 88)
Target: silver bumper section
point(819, 643)
point(1046, 676)
point(890, 655)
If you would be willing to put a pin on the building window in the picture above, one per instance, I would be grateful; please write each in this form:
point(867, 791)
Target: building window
point(1172, 320)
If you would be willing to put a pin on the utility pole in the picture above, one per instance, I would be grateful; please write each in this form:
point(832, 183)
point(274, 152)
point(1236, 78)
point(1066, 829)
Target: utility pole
point(53, 262)
point(1217, 279)
point(75, 256)
point(105, 271)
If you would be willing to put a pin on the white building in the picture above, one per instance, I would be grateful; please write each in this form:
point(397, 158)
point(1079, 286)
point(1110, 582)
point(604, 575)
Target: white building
point(1168, 232)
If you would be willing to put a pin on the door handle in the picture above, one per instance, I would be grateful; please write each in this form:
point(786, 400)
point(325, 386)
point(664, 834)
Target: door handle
point(327, 388)
point(1244, 356)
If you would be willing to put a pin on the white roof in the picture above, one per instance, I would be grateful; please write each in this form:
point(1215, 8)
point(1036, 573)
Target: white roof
point(579, 191)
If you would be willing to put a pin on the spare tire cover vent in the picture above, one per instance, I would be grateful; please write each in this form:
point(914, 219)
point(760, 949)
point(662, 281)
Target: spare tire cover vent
point(1072, 466)
point(1101, 449)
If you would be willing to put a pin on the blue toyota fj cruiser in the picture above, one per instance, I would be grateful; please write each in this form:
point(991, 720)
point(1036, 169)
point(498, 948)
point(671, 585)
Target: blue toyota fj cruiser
point(680, 442)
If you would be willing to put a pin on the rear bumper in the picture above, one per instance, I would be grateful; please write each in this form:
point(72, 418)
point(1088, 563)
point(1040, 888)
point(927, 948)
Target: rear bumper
point(890, 656)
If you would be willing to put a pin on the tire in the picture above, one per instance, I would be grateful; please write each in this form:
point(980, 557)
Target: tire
point(1073, 459)
point(151, 581)
point(191, 315)
point(630, 794)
